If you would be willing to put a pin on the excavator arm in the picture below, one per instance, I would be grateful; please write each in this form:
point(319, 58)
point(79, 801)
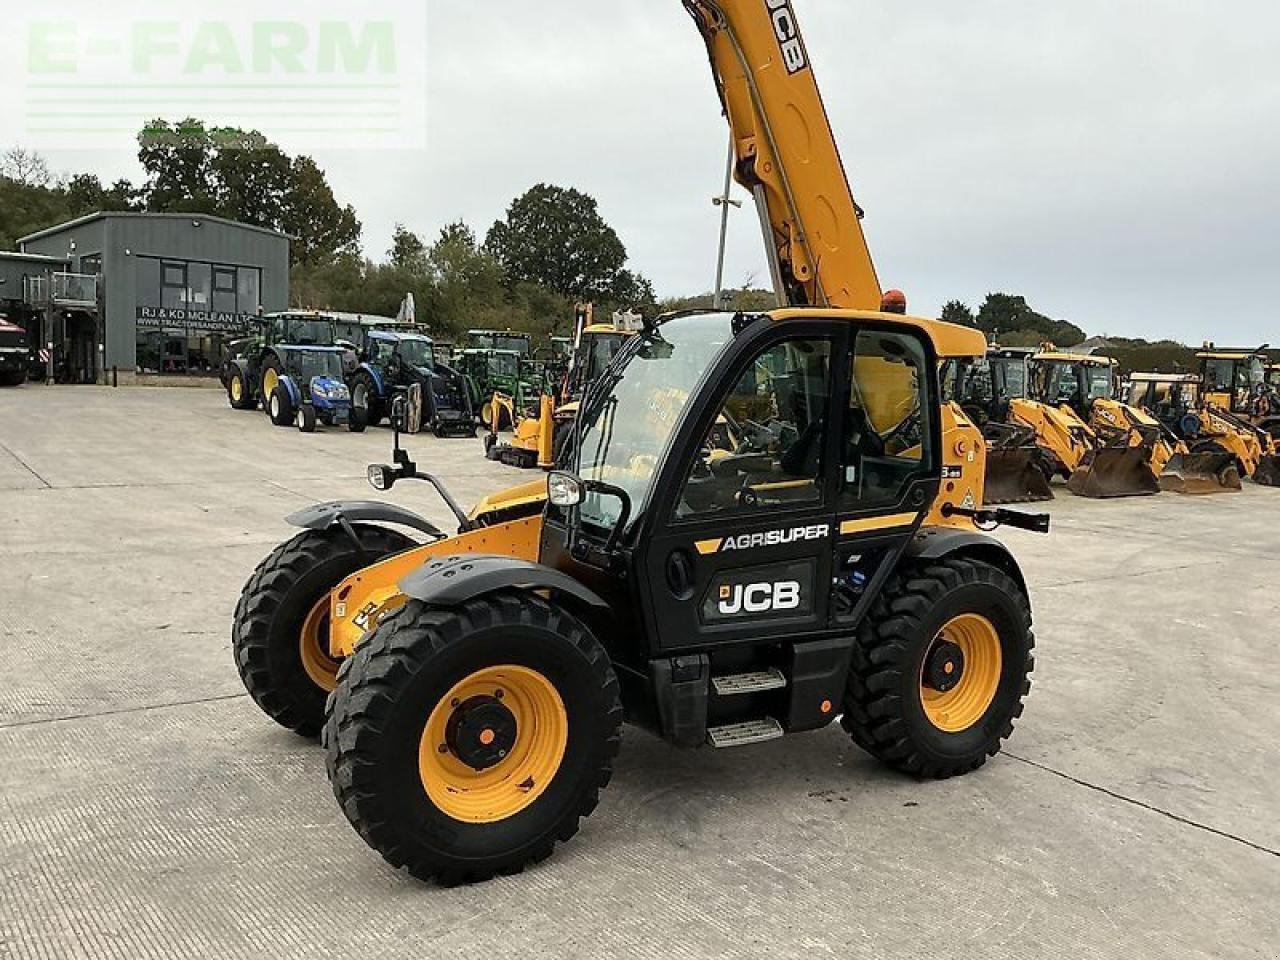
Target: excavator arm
point(786, 154)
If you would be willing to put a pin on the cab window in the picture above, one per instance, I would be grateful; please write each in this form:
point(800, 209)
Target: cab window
point(887, 443)
point(765, 448)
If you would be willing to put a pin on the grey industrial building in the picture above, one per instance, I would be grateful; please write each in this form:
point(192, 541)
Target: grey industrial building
point(144, 294)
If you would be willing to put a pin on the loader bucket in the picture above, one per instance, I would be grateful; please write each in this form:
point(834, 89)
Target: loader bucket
point(1199, 474)
point(1114, 472)
point(1014, 476)
point(1268, 472)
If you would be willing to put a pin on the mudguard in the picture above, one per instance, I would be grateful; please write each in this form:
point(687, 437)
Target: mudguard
point(454, 580)
point(322, 516)
point(939, 543)
point(295, 393)
point(377, 379)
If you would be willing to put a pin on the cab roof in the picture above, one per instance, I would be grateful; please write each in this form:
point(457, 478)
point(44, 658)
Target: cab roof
point(1058, 356)
point(950, 340)
point(399, 336)
point(1164, 378)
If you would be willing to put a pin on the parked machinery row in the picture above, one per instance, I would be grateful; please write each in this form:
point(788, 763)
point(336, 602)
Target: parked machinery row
point(1047, 414)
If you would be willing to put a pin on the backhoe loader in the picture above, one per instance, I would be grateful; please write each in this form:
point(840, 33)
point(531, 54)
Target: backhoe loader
point(829, 566)
point(1114, 452)
point(1206, 456)
point(1018, 469)
point(1236, 391)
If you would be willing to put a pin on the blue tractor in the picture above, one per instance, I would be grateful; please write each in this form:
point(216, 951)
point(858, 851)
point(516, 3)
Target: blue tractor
point(394, 361)
point(309, 390)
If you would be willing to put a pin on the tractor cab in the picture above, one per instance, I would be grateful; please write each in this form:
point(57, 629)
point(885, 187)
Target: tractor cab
point(501, 340)
point(1172, 398)
point(305, 329)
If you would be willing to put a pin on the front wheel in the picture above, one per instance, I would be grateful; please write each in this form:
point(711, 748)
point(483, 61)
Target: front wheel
point(307, 418)
point(280, 406)
point(940, 668)
point(280, 633)
point(466, 742)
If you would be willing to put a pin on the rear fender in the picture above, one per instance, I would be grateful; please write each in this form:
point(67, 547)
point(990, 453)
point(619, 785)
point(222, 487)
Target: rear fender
point(360, 601)
point(940, 543)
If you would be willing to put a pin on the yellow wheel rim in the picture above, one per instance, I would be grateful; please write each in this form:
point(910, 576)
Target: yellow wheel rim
point(964, 704)
point(270, 380)
point(313, 645)
point(514, 782)
point(237, 389)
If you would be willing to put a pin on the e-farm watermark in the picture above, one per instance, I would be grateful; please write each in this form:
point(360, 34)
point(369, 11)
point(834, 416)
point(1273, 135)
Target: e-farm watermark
point(317, 74)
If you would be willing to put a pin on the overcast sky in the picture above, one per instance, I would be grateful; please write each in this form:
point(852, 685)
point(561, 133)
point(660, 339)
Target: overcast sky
point(1116, 162)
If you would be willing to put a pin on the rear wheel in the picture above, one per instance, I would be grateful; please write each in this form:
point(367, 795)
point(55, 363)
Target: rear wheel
point(280, 634)
point(238, 393)
point(270, 381)
point(940, 668)
point(357, 420)
point(465, 743)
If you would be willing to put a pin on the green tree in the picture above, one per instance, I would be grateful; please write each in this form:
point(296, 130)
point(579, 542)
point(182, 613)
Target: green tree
point(241, 175)
point(407, 252)
point(556, 238)
point(1010, 319)
point(957, 311)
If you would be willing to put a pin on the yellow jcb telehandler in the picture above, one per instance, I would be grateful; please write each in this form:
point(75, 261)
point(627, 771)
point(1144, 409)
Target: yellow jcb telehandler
point(837, 570)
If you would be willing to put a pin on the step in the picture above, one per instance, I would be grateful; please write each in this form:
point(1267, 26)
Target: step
point(745, 733)
point(734, 684)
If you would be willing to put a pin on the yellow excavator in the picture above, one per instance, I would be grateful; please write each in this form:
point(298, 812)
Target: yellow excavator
point(833, 565)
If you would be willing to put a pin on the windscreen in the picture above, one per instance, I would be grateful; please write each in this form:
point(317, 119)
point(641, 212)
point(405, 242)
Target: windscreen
point(626, 433)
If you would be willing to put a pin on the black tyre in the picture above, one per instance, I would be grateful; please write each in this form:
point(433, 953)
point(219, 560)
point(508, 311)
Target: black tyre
point(280, 632)
point(364, 395)
point(940, 668)
point(280, 407)
point(239, 393)
point(13, 378)
point(465, 743)
point(357, 420)
point(307, 418)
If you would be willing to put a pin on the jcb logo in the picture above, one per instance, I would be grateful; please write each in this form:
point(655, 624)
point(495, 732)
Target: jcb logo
point(759, 598)
point(784, 25)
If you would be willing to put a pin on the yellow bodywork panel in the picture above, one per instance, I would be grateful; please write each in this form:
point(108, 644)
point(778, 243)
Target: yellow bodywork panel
point(527, 494)
point(360, 601)
point(949, 339)
point(1057, 430)
point(964, 454)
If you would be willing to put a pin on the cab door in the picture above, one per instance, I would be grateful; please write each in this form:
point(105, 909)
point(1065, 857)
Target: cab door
point(810, 466)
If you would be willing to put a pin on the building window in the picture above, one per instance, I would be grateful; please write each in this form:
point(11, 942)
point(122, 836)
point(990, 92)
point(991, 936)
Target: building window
point(189, 311)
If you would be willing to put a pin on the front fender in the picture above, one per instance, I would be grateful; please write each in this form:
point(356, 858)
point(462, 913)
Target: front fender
point(939, 543)
point(377, 378)
point(322, 516)
point(451, 581)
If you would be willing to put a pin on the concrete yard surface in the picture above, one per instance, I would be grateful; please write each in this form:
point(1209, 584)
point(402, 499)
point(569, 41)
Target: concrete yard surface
point(148, 810)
